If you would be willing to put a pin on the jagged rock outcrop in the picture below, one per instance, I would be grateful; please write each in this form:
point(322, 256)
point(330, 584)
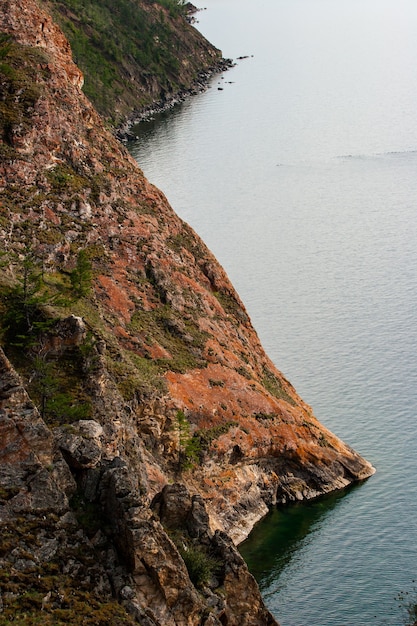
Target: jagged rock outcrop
point(66, 553)
point(138, 367)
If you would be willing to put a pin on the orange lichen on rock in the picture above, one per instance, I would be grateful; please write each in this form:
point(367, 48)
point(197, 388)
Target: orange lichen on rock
point(178, 337)
point(119, 301)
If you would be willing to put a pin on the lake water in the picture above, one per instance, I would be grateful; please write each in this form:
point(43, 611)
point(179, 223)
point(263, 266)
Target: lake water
point(298, 168)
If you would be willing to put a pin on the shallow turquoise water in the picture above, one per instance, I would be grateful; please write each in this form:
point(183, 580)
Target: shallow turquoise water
point(301, 176)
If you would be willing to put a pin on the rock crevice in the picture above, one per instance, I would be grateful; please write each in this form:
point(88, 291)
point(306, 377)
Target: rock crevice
point(144, 430)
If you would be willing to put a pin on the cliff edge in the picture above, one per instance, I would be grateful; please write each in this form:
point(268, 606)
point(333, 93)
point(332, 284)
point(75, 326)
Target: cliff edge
point(143, 428)
point(141, 55)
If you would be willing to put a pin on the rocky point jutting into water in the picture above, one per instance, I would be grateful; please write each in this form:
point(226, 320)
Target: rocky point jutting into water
point(143, 428)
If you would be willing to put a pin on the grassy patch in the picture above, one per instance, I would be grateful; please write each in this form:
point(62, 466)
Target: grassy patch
point(21, 81)
point(129, 52)
point(29, 328)
point(25, 605)
point(180, 338)
point(244, 372)
point(192, 448)
point(55, 384)
point(44, 594)
point(201, 566)
point(186, 240)
point(275, 388)
point(265, 416)
point(134, 375)
point(63, 177)
point(231, 305)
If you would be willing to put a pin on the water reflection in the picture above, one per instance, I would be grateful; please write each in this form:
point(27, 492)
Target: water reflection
point(322, 251)
point(281, 536)
point(159, 124)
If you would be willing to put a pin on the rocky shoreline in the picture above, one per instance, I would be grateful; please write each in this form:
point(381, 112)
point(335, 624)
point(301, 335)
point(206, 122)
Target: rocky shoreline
point(124, 131)
point(143, 427)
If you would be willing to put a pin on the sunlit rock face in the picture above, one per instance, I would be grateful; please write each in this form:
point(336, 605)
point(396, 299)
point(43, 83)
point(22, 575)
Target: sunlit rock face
point(158, 351)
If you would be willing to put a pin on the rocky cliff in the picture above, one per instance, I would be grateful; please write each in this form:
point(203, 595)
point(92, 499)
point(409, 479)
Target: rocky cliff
point(144, 53)
point(143, 428)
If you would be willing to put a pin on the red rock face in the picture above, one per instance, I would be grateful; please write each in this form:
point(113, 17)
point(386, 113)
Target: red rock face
point(161, 306)
point(40, 31)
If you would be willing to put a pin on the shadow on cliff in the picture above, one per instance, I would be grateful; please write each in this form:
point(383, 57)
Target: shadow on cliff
point(276, 539)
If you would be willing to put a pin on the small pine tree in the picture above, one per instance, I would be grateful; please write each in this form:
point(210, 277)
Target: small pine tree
point(43, 382)
point(24, 320)
point(81, 276)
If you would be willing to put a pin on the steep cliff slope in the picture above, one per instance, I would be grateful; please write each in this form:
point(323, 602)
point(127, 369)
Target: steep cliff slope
point(145, 421)
point(135, 53)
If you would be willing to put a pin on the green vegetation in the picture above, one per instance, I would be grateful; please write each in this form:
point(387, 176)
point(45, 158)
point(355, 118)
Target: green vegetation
point(244, 372)
point(81, 276)
point(186, 240)
point(201, 566)
point(207, 435)
point(192, 448)
point(31, 309)
point(29, 300)
point(140, 372)
point(7, 493)
point(231, 305)
point(64, 178)
point(216, 383)
point(323, 441)
point(275, 388)
point(82, 609)
point(130, 52)
point(21, 88)
point(265, 416)
point(179, 337)
point(189, 447)
point(56, 386)
point(28, 324)
point(43, 594)
point(24, 319)
point(89, 514)
point(134, 375)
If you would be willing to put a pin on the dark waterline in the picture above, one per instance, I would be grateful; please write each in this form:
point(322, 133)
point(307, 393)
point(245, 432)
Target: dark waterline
point(301, 176)
point(283, 532)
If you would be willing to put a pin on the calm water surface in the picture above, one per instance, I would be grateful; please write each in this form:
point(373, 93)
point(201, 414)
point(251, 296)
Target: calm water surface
point(300, 173)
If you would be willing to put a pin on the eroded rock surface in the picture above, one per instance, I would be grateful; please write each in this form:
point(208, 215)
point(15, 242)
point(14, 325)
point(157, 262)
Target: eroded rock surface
point(141, 378)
